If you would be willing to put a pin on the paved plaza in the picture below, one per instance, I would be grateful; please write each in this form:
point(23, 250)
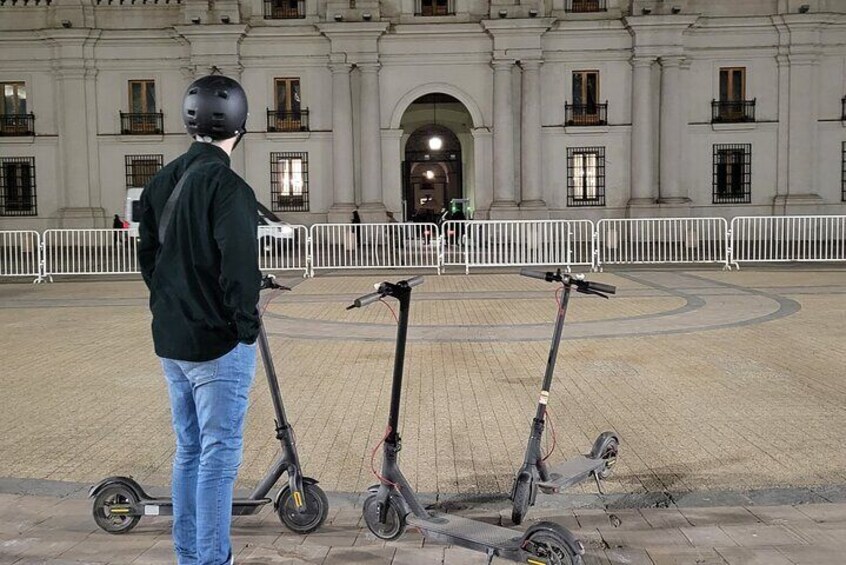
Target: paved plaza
point(716, 382)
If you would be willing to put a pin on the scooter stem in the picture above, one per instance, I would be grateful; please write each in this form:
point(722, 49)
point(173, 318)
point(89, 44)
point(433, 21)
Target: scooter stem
point(553, 353)
point(403, 295)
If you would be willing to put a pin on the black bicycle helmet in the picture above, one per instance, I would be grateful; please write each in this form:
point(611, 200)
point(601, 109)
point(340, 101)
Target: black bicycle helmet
point(215, 106)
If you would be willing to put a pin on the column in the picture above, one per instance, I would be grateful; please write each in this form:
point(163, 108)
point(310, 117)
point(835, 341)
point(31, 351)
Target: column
point(371, 142)
point(670, 156)
point(642, 149)
point(530, 153)
point(342, 141)
point(503, 136)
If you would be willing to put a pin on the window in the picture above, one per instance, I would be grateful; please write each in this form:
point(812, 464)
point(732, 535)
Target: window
point(14, 119)
point(585, 109)
point(434, 7)
point(289, 182)
point(288, 114)
point(585, 176)
point(142, 97)
point(141, 168)
point(732, 174)
point(17, 186)
point(732, 84)
point(581, 6)
point(732, 105)
point(284, 9)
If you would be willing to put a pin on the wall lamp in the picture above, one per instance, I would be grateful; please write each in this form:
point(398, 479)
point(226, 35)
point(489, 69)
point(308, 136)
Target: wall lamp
point(338, 17)
point(803, 9)
point(503, 13)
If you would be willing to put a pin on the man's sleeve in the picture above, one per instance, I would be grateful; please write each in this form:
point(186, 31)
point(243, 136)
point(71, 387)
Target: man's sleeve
point(235, 228)
point(148, 238)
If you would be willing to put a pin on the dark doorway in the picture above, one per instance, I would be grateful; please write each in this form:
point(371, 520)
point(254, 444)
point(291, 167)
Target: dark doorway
point(431, 177)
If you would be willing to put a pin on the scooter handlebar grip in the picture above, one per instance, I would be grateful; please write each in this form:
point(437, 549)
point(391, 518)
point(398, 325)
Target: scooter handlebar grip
point(414, 281)
point(606, 288)
point(366, 299)
point(534, 274)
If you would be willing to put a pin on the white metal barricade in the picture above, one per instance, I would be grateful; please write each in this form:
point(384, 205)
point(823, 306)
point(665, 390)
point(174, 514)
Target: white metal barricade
point(90, 252)
point(454, 243)
point(375, 246)
point(283, 248)
point(20, 254)
point(662, 241)
point(515, 243)
point(767, 239)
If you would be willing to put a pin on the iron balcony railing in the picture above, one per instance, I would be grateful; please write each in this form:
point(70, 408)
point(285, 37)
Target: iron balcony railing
point(434, 7)
point(728, 111)
point(586, 114)
point(17, 124)
point(284, 9)
point(141, 123)
point(287, 121)
point(585, 6)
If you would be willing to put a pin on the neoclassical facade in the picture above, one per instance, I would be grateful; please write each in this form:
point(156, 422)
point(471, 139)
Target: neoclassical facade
point(541, 108)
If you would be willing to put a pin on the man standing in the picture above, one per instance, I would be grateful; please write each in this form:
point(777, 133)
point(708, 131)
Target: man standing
point(199, 258)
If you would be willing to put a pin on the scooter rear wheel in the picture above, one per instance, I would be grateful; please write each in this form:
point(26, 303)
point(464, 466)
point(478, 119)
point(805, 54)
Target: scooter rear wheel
point(549, 547)
point(609, 454)
point(522, 497)
point(114, 523)
point(394, 525)
point(317, 507)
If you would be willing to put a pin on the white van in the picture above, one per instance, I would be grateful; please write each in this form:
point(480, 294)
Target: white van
point(272, 231)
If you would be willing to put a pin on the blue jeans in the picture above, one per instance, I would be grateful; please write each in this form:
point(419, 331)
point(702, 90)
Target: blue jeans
point(208, 403)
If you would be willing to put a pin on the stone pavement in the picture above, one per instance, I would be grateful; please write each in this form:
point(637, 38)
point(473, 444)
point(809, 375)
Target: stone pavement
point(42, 529)
point(715, 381)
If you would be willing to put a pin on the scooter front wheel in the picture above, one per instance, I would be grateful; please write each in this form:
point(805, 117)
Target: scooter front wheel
point(112, 508)
point(394, 524)
point(550, 544)
point(521, 498)
point(317, 507)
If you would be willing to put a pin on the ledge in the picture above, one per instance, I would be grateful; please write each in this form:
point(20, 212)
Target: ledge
point(733, 126)
point(140, 138)
point(587, 129)
point(18, 139)
point(277, 135)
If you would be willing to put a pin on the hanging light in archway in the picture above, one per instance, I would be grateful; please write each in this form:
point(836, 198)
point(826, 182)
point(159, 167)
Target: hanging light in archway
point(435, 142)
point(430, 174)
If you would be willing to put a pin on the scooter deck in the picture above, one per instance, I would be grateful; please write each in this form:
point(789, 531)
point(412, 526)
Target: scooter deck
point(466, 532)
point(569, 473)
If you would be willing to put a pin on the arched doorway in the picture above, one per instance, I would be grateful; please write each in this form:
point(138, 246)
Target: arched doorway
point(437, 147)
point(432, 176)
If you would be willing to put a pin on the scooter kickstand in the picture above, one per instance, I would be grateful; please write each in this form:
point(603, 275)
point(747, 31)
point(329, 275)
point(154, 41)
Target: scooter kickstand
point(490, 553)
point(598, 484)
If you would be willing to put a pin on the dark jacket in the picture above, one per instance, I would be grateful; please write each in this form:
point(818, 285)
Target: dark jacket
point(204, 281)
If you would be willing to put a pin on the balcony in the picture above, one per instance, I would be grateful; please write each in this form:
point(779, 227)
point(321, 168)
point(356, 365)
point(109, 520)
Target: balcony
point(141, 123)
point(17, 124)
point(284, 9)
point(732, 111)
point(586, 114)
point(287, 121)
point(585, 6)
point(434, 7)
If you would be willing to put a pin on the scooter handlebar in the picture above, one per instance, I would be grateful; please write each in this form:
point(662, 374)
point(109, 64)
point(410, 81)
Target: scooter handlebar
point(600, 287)
point(365, 300)
point(414, 281)
point(535, 274)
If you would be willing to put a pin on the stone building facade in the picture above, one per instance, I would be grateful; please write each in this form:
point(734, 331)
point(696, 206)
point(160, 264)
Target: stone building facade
point(543, 108)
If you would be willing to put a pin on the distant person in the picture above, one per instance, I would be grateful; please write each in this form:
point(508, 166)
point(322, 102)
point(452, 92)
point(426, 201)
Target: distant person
point(117, 224)
point(356, 219)
point(396, 243)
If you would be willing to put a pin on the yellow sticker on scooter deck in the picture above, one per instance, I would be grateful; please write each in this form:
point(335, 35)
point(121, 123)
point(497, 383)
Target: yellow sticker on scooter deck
point(535, 562)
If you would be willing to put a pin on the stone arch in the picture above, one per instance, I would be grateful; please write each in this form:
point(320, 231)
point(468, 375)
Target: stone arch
point(439, 88)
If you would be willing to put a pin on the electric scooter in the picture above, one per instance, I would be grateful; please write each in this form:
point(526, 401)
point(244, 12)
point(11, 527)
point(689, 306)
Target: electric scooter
point(393, 505)
point(120, 502)
point(534, 475)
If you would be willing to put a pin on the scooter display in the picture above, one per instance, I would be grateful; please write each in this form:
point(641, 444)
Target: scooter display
point(393, 505)
point(534, 475)
point(120, 502)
